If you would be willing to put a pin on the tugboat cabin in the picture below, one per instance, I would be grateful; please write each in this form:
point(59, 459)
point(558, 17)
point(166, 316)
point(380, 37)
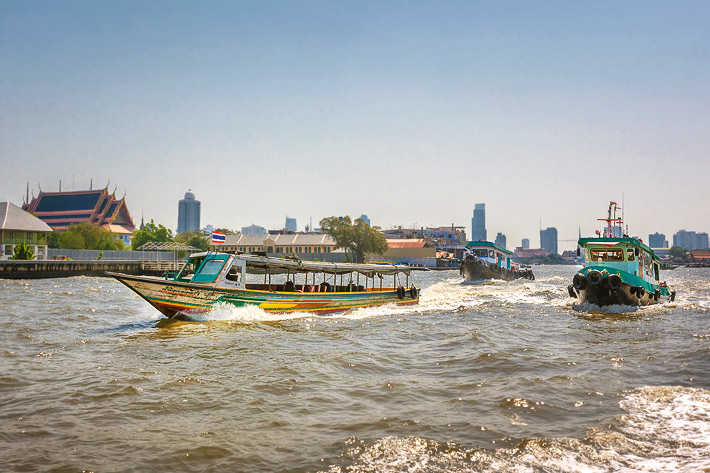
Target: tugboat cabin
point(492, 253)
point(625, 254)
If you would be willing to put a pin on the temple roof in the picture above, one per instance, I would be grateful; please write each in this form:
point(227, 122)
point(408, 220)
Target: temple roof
point(61, 209)
point(61, 202)
point(14, 218)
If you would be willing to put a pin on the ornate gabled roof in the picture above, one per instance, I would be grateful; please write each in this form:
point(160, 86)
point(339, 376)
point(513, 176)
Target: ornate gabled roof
point(61, 209)
point(63, 201)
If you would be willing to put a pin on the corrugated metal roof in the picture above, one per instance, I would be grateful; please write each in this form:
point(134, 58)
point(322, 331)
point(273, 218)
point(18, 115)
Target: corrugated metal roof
point(14, 218)
point(405, 243)
point(290, 239)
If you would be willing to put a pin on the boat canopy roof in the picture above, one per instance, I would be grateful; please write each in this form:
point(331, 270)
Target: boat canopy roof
point(487, 244)
point(615, 241)
point(299, 266)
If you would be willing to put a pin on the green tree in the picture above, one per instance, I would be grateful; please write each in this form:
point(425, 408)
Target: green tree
point(151, 232)
point(53, 239)
point(678, 253)
point(196, 238)
point(226, 231)
point(22, 252)
point(357, 239)
point(85, 236)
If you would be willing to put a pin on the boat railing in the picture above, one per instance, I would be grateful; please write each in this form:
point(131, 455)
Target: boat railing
point(162, 265)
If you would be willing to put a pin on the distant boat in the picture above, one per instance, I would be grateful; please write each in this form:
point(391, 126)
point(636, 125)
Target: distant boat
point(486, 260)
point(618, 269)
point(210, 279)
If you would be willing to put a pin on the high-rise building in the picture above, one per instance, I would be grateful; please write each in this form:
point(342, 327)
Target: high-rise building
point(252, 230)
point(188, 213)
point(478, 223)
point(548, 240)
point(291, 224)
point(690, 240)
point(500, 240)
point(365, 218)
point(525, 244)
point(657, 240)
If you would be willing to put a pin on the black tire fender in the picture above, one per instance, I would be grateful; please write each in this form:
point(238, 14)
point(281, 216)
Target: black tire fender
point(594, 277)
point(579, 282)
point(640, 291)
point(614, 282)
point(400, 292)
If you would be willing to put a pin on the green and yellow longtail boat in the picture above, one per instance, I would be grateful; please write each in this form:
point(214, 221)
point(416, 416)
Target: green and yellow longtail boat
point(209, 280)
point(618, 269)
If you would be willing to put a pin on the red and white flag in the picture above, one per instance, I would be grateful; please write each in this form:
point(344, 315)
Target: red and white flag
point(218, 237)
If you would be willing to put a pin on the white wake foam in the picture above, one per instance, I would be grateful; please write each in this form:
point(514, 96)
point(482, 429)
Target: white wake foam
point(664, 429)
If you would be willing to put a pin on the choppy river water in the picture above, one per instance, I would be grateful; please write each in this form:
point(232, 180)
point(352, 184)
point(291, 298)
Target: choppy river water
point(478, 377)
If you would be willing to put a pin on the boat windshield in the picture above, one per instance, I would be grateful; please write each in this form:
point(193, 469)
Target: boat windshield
point(209, 270)
point(598, 254)
point(189, 269)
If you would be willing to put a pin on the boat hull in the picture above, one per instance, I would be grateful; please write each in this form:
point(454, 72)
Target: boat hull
point(475, 269)
point(173, 298)
point(598, 286)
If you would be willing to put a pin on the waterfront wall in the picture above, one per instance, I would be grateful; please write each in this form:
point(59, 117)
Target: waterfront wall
point(93, 255)
point(63, 269)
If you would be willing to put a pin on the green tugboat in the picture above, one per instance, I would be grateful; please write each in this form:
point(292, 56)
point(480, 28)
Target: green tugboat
point(618, 269)
point(486, 260)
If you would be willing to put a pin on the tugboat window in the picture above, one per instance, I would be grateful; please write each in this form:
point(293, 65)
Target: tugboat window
point(630, 254)
point(607, 255)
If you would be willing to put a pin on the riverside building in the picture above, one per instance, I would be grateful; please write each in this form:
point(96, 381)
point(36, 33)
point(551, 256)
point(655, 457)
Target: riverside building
point(18, 226)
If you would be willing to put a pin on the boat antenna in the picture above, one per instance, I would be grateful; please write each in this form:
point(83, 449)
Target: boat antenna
point(622, 216)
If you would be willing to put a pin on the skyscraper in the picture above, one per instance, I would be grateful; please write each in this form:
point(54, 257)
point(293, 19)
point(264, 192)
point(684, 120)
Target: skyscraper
point(690, 240)
point(252, 230)
point(500, 240)
point(365, 218)
point(478, 223)
point(548, 240)
point(657, 240)
point(188, 213)
point(291, 224)
point(525, 243)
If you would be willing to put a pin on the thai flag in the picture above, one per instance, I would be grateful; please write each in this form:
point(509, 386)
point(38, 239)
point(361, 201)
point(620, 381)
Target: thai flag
point(217, 237)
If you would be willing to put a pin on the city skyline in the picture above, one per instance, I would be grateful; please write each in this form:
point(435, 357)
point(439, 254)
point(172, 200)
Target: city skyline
point(563, 243)
point(543, 111)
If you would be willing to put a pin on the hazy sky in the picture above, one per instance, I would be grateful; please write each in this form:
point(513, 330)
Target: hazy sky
point(411, 112)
